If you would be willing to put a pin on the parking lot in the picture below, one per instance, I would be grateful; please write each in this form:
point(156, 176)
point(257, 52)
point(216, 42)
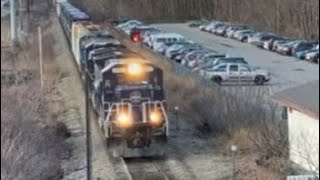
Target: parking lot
point(286, 71)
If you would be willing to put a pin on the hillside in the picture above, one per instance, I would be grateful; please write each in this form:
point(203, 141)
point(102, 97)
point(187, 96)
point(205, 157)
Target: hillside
point(289, 17)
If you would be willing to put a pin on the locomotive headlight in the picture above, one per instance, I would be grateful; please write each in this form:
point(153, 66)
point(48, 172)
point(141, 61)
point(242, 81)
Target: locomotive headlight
point(155, 118)
point(124, 120)
point(134, 69)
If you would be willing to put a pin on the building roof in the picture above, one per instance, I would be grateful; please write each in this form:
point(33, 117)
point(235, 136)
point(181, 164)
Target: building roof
point(304, 98)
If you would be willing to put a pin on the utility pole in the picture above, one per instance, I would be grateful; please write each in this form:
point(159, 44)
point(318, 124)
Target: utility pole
point(176, 109)
point(40, 56)
point(88, 127)
point(13, 20)
point(28, 6)
point(233, 151)
point(20, 28)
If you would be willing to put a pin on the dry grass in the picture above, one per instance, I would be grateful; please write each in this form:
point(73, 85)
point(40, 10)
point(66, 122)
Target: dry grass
point(32, 139)
point(250, 123)
point(27, 148)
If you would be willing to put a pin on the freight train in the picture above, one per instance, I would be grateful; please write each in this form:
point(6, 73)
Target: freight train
point(126, 91)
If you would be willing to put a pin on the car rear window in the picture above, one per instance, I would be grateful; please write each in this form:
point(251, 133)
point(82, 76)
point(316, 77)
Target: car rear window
point(233, 60)
point(264, 38)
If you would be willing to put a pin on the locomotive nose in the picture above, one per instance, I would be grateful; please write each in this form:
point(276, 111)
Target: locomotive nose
point(139, 142)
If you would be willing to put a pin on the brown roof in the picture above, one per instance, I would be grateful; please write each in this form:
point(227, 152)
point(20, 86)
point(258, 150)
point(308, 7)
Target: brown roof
point(304, 98)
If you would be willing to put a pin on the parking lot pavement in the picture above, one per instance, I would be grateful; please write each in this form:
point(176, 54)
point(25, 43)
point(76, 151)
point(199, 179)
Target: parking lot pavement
point(286, 71)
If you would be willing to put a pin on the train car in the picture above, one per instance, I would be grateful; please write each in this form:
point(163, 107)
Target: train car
point(69, 15)
point(79, 30)
point(58, 4)
point(97, 43)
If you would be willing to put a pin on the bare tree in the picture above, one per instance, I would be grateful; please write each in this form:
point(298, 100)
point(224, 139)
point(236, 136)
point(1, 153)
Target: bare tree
point(287, 17)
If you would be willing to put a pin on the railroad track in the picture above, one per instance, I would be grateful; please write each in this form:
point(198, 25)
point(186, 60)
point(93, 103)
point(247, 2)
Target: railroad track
point(144, 169)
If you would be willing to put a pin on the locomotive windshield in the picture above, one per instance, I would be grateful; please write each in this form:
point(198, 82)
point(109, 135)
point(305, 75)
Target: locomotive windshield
point(146, 79)
point(134, 74)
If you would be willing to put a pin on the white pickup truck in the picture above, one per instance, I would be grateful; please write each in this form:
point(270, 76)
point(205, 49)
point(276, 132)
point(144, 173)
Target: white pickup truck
point(236, 73)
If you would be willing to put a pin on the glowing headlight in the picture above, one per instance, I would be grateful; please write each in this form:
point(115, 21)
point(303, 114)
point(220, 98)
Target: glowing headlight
point(124, 121)
point(134, 69)
point(155, 118)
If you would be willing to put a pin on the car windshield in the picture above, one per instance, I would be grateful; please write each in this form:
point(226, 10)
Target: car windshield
point(145, 29)
point(169, 43)
point(265, 38)
point(161, 40)
point(247, 32)
point(220, 67)
point(233, 59)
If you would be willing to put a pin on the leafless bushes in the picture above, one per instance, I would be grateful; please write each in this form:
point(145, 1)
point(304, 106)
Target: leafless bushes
point(244, 116)
point(289, 17)
point(27, 148)
point(32, 140)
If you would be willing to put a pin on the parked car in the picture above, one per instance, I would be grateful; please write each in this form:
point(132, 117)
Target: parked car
point(236, 73)
point(191, 57)
point(136, 32)
point(143, 28)
point(222, 30)
point(203, 26)
point(286, 47)
point(213, 25)
point(278, 43)
point(145, 36)
point(129, 23)
point(195, 24)
point(176, 47)
point(232, 29)
point(162, 49)
point(302, 54)
point(243, 35)
point(230, 60)
point(161, 37)
point(313, 56)
point(158, 39)
point(269, 44)
point(164, 46)
point(206, 61)
point(301, 46)
point(178, 56)
point(258, 39)
point(120, 20)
